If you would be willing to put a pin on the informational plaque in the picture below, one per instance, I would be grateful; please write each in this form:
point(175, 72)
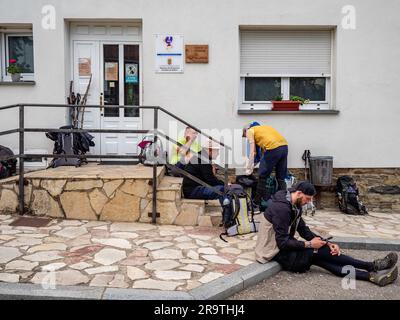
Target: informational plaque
point(169, 53)
point(85, 68)
point(196, 53)
point(111, 71)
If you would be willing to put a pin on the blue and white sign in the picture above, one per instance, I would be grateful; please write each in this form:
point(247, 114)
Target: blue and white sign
point(169, 53)
point(131, 73)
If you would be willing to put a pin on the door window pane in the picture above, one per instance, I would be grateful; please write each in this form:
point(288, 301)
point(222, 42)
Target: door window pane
point(111, 79)
point(308, 88)
point(262, 89)
point(20, 48)
point(131, 78)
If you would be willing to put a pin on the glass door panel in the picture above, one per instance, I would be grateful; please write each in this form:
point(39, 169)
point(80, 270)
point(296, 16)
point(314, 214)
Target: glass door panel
point(131, 79)
point(111, 79)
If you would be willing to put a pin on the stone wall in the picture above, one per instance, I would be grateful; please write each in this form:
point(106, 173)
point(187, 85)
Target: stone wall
point(128, 200)
point(366, 179)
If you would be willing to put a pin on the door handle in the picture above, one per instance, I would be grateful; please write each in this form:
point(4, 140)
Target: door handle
point(101, 104)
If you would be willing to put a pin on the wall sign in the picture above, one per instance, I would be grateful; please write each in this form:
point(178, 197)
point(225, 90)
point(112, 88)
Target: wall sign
point(85, 68)
point(196, 53)
point(111, 71)
point(131, 73)
point(169, 53)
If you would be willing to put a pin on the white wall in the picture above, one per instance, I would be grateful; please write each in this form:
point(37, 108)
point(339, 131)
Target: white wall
point(366, 133)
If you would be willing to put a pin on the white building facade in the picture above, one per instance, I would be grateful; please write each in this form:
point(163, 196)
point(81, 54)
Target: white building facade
point(343, 56)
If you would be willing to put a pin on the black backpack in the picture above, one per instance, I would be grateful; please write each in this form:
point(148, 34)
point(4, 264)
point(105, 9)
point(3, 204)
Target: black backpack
point(70, 144)
point(348, 196)
point(7, 167)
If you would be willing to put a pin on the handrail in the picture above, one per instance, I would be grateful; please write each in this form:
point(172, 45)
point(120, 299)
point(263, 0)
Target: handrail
point(9, 107)
point(47, 105)
point(196, 129)
point(192, 177)
point(22, 155)
point(194, 154)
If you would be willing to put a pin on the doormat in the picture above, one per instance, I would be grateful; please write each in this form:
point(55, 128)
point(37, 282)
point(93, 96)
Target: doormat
point(30, 222)
point(119, 163)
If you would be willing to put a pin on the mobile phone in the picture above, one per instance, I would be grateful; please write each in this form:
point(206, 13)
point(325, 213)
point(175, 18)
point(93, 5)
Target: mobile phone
point(326, 239)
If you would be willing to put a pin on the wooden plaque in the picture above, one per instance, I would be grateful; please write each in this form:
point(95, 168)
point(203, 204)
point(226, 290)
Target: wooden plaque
point(196, 53)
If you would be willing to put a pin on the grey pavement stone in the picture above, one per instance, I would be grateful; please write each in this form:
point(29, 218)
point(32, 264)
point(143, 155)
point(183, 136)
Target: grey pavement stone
point(142, 294)
point(24, 291)
point(367, 244)
point(220, 288)
point(257, 272)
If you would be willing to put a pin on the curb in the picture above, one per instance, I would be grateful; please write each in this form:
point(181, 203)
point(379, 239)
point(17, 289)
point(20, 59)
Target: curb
point(367, 244)
point(218, 289)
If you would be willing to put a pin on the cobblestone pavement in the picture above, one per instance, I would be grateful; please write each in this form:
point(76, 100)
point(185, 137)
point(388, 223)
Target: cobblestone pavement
point(138, 255)
point(121, 255)
point(320, 284)
point(374, 225)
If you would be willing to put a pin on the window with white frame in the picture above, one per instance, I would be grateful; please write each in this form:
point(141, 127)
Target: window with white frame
point(285, 63)
point(16, 44)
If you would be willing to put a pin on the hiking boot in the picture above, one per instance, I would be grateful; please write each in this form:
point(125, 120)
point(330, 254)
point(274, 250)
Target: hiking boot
point(386, 263)
point(384, 277)
point(256, 209)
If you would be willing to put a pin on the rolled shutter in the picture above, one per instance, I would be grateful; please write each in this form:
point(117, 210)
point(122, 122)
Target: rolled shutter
point(285, 52)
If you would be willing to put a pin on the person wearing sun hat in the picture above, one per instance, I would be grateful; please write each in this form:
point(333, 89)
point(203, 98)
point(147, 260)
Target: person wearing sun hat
point(276, 241)
point(201, 167)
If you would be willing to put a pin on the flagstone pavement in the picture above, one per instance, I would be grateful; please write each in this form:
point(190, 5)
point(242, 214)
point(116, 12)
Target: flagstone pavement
point(145, 256)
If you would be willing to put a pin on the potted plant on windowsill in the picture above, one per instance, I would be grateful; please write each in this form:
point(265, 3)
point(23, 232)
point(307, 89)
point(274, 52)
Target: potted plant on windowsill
point(14, 70)
point(288, 105)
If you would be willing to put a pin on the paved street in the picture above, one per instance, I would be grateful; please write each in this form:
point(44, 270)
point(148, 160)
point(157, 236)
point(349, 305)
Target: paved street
point(162, 257)
point(319, 284)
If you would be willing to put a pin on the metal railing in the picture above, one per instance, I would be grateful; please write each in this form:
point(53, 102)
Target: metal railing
point(22, 155)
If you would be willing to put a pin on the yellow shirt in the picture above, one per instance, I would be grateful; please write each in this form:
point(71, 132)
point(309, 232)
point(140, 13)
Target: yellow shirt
point(267, 137)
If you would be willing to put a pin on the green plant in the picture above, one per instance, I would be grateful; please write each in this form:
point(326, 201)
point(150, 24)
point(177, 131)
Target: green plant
point(299, 99)
point(278, 98)
point(13, 68)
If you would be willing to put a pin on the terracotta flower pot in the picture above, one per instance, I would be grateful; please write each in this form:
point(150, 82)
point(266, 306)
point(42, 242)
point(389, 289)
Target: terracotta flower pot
point(15, 77)
point(285, 105)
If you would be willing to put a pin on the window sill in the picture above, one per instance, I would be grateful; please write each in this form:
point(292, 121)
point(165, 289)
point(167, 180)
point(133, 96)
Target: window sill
point(249, 111)
point(17, 83)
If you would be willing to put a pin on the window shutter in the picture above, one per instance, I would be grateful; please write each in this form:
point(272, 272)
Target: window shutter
point(285, 52)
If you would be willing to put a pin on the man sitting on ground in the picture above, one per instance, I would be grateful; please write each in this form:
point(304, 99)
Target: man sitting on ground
point(276, 241)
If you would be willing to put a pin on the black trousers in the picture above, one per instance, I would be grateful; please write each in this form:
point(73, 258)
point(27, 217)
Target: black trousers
point(302, 260)
point(335, 264)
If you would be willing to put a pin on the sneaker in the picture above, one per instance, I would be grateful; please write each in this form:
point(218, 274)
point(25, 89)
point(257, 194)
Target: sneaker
point(384, 277)
point(386, 263)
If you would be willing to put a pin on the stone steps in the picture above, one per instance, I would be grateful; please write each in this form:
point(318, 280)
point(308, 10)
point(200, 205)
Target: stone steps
point(108, 193)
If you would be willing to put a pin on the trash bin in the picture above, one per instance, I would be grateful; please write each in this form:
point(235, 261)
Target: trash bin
point(321, 171)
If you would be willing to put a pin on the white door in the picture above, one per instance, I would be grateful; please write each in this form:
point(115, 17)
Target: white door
point(86, 62)
point(115, 81)
point(120, 84)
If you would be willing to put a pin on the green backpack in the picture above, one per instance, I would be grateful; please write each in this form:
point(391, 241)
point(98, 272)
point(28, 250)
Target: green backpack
point(272, 187)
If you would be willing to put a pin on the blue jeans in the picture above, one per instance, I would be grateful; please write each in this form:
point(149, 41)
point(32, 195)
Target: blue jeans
point(276, 158)
point(205, 193)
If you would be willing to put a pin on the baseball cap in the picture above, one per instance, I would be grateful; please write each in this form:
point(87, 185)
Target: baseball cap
point(306, 187)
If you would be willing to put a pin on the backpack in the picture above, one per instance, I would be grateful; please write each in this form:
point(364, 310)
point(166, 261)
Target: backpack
point(7, 167)
point(77, 143)
point(151, 153)
point(271, 189)
point(348, 196)
point(238, 213)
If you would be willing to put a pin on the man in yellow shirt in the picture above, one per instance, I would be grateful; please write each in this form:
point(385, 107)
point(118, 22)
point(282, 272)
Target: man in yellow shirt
point(181, 155)
point(274, 155)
